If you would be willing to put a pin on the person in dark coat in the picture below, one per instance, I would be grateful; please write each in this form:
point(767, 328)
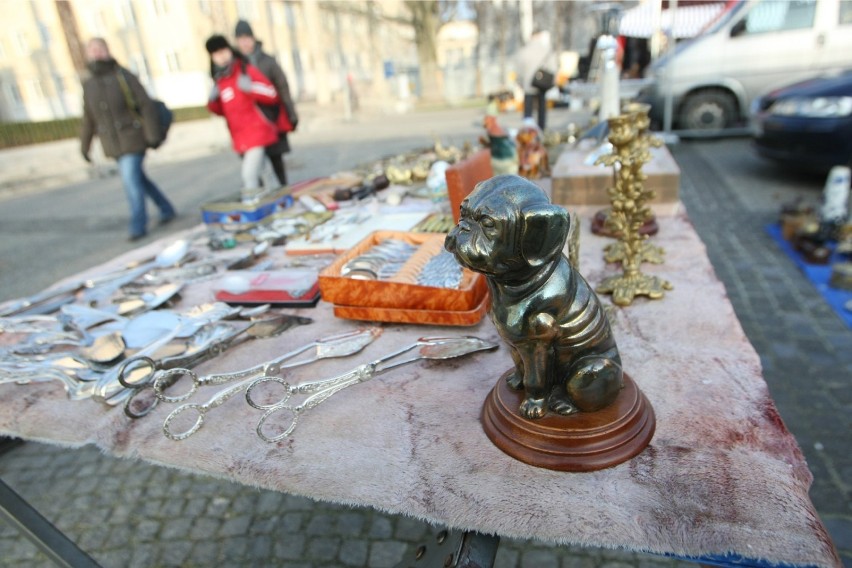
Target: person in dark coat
point(117, 109)
point(536, 54)
point(283, 114)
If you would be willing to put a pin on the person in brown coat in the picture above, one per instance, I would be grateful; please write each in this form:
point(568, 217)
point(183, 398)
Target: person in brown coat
point(125, 132)
point(283, 114)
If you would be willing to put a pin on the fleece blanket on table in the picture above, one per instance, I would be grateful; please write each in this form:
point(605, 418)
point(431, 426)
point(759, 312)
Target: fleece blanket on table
point(722, 475)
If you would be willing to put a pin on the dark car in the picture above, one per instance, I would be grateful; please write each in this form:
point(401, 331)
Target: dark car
point(807, 124)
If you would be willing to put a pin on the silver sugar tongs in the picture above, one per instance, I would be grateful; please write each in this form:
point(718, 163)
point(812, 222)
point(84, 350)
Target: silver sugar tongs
point(427, 348)
point(340, 345)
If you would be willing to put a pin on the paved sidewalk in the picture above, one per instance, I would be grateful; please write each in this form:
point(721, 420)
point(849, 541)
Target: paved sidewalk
point(53, 164)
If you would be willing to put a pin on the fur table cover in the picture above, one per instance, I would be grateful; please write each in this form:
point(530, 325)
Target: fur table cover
point(722, 476)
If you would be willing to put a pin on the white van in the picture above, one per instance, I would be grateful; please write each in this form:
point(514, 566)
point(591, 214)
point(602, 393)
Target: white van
point(755, 46)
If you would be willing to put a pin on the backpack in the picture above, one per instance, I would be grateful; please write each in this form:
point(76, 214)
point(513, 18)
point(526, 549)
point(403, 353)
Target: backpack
point(164, 115)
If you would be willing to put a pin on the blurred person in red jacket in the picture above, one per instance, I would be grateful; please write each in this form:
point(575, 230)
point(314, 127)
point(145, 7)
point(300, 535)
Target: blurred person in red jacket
point(238, 90)
point(283, 114)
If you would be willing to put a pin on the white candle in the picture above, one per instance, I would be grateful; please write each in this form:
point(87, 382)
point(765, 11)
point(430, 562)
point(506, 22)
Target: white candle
point(835, 197)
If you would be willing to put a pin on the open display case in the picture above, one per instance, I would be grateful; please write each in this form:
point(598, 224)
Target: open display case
point(401, 298)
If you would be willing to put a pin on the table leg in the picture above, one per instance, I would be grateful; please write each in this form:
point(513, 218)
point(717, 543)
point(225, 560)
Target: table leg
point(50, 540)
point(453, 549)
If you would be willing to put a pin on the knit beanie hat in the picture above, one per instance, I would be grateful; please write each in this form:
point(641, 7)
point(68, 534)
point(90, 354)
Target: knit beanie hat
point(217, 42)
point(243, 29)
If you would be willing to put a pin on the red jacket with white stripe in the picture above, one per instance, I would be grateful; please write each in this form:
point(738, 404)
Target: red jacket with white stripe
point(249, 127)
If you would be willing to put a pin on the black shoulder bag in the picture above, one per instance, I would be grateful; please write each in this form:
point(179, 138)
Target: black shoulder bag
point(164, 115)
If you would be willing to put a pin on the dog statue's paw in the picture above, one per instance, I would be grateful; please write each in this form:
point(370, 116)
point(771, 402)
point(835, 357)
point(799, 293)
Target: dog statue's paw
point(514, 380)
point(532, 408)
point(562, 406)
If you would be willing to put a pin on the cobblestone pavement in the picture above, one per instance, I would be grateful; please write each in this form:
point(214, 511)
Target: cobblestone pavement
point(128, 513)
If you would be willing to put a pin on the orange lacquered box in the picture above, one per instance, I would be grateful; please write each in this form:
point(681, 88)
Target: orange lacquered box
point(400, 298)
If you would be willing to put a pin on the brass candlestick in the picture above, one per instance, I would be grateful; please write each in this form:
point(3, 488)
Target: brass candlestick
point(642, 143)
point(629, 198)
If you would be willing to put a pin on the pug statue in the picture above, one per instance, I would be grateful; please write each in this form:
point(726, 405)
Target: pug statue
point(565, 356)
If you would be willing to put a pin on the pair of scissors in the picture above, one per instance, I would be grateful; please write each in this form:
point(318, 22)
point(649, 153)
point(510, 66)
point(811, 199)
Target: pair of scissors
point(428, 348)
point(339, 345)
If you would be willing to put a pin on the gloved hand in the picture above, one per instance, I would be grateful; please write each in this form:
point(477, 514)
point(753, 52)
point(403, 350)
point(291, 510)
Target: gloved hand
point(244, 83)
point(86, 156)
point(214, 93)
point(292, 117)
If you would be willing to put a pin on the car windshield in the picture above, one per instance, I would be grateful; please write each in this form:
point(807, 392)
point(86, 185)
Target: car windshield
point(732, 8)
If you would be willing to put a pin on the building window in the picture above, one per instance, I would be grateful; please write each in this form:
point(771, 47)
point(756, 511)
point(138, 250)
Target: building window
point(291, 17)
point(44, 34)
point(246, 10)
point(35, 89)
point(95, 21)
point(171, 61)
point(297, 61)
point(159, 7)
point(124, 14)
point(21, 45)
point(845, 16)
point(136, 63)
point(279, 18)
point(58, 83)
point(13, 93)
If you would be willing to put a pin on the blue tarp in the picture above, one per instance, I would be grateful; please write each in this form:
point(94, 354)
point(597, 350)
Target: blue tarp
point(818, 274)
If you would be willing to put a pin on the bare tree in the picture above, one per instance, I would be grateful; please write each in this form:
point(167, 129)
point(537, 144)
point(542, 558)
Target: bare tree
point(426, 19)
point(482, 10)
point(72, 35)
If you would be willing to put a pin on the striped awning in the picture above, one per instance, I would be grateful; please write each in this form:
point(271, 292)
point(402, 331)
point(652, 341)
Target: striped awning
point(689, 19)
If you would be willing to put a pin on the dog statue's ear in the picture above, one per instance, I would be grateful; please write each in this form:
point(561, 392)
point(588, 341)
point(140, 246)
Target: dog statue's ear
point(544, 232)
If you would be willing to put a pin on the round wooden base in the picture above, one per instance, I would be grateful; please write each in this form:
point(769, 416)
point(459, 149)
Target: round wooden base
point(585, 441)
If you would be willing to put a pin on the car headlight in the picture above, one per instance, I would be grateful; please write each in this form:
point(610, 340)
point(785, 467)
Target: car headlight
point(818, 107)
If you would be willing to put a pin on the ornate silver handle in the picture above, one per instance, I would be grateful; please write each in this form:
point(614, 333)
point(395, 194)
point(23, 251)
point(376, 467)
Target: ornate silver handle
point(323, 390)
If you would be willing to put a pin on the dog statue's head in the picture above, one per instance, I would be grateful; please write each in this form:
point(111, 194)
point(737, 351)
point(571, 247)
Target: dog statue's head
point(508, 229)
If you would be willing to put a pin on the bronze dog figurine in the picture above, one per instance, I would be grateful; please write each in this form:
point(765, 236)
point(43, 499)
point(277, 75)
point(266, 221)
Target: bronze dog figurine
point(564, 352)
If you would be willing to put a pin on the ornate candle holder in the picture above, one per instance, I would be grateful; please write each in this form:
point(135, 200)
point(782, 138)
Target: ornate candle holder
point(630, 211)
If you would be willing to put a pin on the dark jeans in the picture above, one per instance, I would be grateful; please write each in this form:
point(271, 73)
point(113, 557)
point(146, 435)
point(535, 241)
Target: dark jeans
point(538, 101)
point(136, 187)
point(275, 152)
point(277, 161)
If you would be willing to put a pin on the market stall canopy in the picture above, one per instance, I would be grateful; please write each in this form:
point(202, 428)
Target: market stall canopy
point(689, 18)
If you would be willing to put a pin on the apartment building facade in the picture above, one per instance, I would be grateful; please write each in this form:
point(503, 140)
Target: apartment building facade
point(322, 46)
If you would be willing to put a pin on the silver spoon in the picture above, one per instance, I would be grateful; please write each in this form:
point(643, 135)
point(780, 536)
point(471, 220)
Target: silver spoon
point(187, 325)
point(105, 284)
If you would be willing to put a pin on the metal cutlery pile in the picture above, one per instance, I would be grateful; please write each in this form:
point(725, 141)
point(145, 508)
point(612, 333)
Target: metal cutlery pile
point(84, 333)
point(100, 355)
